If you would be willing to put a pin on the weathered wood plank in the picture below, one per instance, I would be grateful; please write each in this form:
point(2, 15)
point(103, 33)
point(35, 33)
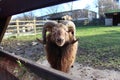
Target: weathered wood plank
point(12, 7)
point(41, 71)
point(5, 75)
point(4, 21)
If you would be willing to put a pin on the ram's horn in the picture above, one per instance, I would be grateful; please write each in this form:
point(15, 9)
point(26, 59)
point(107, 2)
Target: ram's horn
point(47, 27)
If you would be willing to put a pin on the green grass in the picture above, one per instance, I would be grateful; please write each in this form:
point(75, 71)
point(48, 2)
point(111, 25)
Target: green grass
point(99, 46)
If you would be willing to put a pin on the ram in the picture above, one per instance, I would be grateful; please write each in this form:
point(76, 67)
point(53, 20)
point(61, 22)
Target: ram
point(60, 44)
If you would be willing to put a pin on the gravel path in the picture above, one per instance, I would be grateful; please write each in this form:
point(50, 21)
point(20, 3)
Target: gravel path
point(89, 73)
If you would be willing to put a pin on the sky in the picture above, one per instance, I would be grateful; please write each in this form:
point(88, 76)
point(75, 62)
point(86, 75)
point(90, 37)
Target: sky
point(79, 4)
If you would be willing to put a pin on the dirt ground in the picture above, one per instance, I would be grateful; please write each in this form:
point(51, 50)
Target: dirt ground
point(32, 50)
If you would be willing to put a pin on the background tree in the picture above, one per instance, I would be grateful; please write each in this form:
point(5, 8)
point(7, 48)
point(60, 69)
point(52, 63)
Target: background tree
point(25, 16)
point(106, 5)
point(52, 10)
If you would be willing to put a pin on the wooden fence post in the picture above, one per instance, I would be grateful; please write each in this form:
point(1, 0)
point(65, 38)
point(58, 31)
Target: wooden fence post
point(35, 27)
point(17, 25)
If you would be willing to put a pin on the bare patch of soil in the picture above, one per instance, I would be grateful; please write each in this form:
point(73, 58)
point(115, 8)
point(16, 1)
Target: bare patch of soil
point(31, 50)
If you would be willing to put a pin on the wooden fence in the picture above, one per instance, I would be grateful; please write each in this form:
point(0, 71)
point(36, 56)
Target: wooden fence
point(20, 28)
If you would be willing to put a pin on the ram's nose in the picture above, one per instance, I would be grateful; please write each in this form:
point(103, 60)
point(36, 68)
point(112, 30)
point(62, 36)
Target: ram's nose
point(59, 40)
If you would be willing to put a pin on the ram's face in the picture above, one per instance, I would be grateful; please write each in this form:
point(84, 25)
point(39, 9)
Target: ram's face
point(59, 35)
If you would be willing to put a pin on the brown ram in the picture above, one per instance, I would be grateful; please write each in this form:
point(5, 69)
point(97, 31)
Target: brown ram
point(60, 44)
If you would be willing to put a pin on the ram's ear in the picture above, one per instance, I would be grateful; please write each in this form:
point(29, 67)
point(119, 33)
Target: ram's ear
point(40, 41)
point(74, 41)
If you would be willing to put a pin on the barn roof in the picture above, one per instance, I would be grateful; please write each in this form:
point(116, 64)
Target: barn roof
point(112, 11)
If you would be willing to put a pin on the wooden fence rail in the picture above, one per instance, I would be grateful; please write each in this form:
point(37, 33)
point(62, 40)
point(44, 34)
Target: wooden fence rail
point(41, 71)
point(31, 27)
